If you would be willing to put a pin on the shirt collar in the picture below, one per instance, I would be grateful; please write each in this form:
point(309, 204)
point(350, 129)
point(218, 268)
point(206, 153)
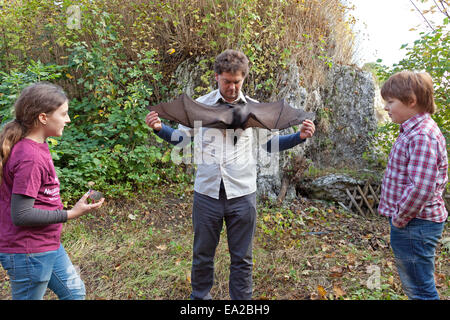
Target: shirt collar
point(413, 121)
point(220, 99)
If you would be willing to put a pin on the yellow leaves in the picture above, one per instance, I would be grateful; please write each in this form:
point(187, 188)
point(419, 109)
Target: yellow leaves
point(162, 247)
point(187, 277)
point(52, 141)
point(320, 294)
point(338, 292)
point(171, 51)
point(102, 113)
point(441, 280)
point(325, 247)
point(391, 281)
point(351, 259)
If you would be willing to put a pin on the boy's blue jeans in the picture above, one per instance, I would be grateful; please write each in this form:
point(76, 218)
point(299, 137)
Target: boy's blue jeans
point(414, 248)
point(31, 274)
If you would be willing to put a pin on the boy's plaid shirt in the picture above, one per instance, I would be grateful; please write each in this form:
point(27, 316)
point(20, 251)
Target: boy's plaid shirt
point(416, 173)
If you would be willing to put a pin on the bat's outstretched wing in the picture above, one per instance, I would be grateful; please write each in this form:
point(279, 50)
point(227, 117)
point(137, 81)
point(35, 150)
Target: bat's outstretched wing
point(186, 111)
point(275, 115)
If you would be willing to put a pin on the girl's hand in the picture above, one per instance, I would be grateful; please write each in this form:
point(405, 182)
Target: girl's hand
point(82, 207)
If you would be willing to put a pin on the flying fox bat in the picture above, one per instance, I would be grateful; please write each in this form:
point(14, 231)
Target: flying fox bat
point(275, 115)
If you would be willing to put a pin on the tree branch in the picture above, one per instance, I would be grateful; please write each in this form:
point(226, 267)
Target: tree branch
point(443, 10)
point(422, 15)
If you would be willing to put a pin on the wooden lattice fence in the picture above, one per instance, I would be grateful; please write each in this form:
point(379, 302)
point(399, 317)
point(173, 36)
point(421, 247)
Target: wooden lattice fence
point(365, 200)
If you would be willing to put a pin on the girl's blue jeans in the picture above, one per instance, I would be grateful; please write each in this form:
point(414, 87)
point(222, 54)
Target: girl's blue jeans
point(31, 274)
point(414, 248)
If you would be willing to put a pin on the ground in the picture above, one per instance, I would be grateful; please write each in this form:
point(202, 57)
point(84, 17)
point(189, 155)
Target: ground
point(303, 249)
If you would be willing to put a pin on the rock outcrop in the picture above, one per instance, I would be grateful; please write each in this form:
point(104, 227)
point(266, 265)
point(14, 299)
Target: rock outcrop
point(345, 117)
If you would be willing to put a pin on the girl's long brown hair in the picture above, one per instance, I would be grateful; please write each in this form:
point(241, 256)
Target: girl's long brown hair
point(41, 97)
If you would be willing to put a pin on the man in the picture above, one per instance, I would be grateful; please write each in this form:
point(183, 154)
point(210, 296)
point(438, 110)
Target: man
point(225, 185)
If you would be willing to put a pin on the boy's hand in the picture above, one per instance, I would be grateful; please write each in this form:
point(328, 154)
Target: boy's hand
point(396, 225)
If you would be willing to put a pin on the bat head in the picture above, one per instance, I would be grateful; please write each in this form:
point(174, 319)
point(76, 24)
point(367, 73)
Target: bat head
point(240, 116)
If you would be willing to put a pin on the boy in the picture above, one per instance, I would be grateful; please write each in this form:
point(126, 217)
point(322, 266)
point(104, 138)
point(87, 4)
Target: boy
point(414, 181)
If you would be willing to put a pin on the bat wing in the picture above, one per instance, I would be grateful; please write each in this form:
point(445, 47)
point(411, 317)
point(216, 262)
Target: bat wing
point(172, 110)
point(186, 111)
point(275, 115)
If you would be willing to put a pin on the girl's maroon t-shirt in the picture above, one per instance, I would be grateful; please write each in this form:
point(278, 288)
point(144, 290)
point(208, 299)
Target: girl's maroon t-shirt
point(29, 171)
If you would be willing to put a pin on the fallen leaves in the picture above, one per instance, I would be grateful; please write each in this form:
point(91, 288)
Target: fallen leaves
point(320, 294)
point(325, 259)
point(336, 272)
point(441, 281)
point(338, 292)
point(161, 247)
point(331, 264)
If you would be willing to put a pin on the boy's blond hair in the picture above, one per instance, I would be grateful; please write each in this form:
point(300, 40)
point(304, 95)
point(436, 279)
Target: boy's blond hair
point(405, 85)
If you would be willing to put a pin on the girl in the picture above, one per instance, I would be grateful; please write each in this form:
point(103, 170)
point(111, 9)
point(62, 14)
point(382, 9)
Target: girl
point(31, 211)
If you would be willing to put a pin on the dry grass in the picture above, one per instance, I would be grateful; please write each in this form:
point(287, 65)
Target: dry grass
point(142, 250)
point(314, 33)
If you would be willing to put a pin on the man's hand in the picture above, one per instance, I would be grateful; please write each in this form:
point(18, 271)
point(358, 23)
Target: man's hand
point(307, 130)
point(153, 121)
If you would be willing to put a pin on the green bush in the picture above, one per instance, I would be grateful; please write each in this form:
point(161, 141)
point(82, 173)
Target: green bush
point(107, 141)
point(123, 58)
point(12, 82)
point(430, 53)
point(108, 127)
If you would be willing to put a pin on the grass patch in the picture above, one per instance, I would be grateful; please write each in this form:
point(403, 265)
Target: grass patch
point(142, 249)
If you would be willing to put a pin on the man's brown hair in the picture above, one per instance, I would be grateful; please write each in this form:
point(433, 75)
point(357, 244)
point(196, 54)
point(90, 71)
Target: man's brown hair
point(231, 61)
point(405, 85)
